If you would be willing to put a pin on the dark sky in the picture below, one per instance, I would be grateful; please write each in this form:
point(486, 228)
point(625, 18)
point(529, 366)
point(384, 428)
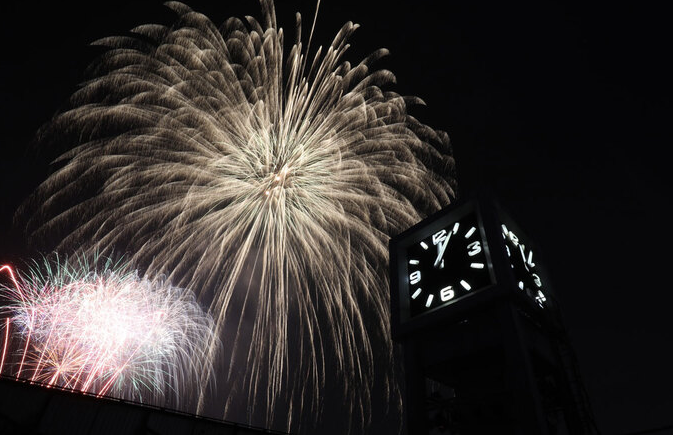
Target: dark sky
point(559, 107)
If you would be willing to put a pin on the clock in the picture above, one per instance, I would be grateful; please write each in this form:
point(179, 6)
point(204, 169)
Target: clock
point(462, 259)
point(446, 265)
point(523, 263)
point(441, 261)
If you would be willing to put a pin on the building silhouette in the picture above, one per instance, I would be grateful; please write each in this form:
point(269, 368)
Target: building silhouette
point(31, 409)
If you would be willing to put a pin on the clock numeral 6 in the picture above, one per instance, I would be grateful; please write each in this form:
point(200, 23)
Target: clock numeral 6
point(415, 277)
point(473, 249)
point(446, 293)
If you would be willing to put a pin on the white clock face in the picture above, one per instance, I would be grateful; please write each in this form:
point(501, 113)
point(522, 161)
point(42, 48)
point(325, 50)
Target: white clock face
point(446, 265)
point(522, 261)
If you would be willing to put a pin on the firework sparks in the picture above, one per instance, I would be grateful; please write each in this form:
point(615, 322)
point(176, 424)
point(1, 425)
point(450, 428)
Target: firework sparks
point(104, 332)
point(269, 182)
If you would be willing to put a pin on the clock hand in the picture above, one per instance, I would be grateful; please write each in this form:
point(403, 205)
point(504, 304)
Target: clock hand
point(522, 248)
point(442, 248)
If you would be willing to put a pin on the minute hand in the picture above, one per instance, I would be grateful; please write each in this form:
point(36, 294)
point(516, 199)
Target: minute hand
point(442, 248)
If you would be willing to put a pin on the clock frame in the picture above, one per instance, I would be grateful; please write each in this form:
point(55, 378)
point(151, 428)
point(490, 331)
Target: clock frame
point(502, 277)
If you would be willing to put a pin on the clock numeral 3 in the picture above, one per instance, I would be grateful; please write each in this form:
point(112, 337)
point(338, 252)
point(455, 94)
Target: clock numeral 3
point(473, 249)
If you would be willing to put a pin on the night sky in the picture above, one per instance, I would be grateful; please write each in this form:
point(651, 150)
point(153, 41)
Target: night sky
point(559, 108)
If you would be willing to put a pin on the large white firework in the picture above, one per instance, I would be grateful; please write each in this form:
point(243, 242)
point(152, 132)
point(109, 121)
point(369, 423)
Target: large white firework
point(105, 330)
point(270, 182)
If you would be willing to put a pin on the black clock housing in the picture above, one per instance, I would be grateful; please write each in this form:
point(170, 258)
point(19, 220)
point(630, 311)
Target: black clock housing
point(440, 262)
point(464, 256)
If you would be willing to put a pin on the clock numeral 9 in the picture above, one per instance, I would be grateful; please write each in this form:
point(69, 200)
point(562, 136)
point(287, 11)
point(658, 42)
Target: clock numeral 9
point(537, 280)
point(473, 249)
point(415, 277)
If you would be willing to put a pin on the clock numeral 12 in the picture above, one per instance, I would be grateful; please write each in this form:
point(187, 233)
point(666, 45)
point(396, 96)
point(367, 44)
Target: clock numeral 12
point(438, 237)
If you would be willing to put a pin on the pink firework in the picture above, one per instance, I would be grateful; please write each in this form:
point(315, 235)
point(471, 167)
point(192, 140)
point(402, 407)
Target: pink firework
point(105, 331)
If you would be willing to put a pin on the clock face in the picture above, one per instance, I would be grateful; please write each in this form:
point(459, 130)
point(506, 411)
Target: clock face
point(445, 265)
point(523, 265)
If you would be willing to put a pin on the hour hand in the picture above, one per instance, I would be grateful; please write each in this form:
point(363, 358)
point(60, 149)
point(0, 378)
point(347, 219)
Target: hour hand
point(441, 248)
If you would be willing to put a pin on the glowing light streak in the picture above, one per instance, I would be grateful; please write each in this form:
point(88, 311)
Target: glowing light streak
point(25, 349)
point(4, 346)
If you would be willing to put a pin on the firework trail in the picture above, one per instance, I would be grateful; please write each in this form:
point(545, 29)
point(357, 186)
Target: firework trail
point(270, 182)
point(104, 332)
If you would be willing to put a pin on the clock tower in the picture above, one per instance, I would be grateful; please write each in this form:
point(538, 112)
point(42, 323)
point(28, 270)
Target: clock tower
point(485, 350)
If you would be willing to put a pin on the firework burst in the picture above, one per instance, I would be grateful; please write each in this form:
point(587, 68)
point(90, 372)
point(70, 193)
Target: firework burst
point(105, 332)
point(269, 182)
